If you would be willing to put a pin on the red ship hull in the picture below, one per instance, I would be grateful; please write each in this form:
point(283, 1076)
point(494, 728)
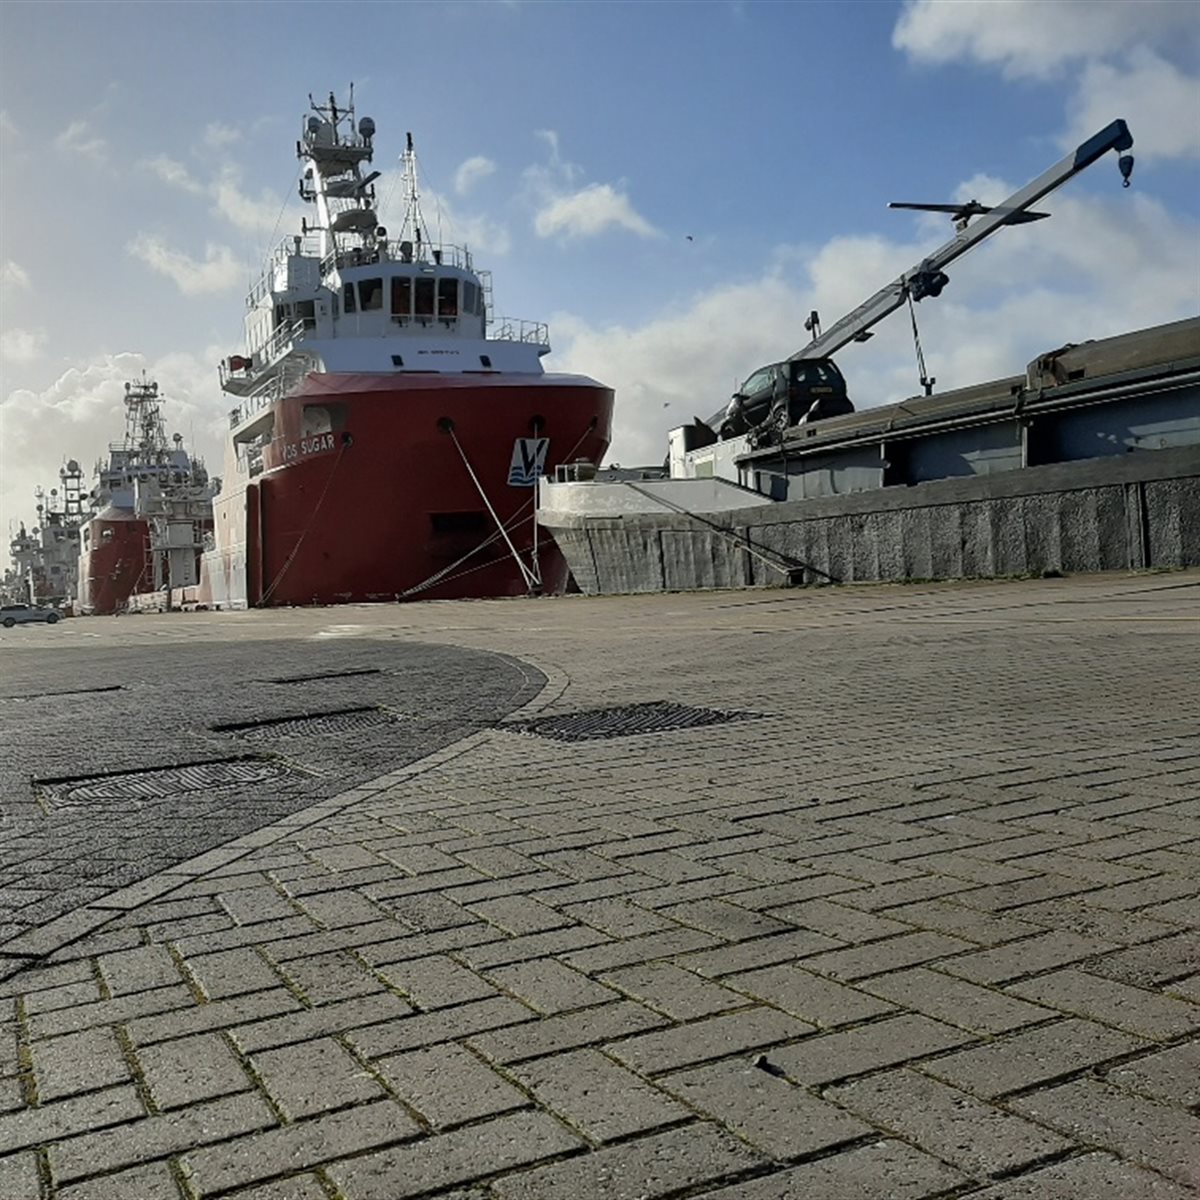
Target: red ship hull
point(385, 487)
point(112, 563)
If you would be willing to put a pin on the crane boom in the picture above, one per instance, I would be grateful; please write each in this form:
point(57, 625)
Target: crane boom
point(925, 279)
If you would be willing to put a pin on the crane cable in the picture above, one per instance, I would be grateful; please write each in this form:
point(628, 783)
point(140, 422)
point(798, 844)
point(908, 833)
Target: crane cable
point(926, 382)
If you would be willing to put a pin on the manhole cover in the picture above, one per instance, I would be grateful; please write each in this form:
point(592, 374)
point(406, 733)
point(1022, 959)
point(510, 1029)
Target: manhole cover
point(340, 720)
point(160, 782)
point(627, 720)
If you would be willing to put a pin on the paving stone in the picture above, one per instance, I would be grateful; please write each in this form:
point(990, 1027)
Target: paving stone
point(884, 1043)
point(319, 1022)
point(440, 1025)
point(957, 1002)
point(154, 1181)
point(597, 1096)
point(231, 973)
point(1153, 964)
point(1097, 1176)
point(976, 1137)
point(560, 942)
point(724, 920)
point(876, 958)
point(762, 952)
point(19, 1177)
point(313, 1077)
point(298, 1147)
point(328, 978)
point(190, 1070)
point(1172, 1075)
point(1034, 1056)
point(220, 1014)
point(138, 970)
point(822, 1001)
point(449, 1085)
point(839, 922)
point(1152, 1134)
point(637, 1170)
point(1146, 1014)
point(617, 918)
point(673, 991)
point(944, 916)
point(884, 1170)
point(1030, 956)
point(336, 910)
point(773, 1115)
point(568, 1031)
point(429, 911)
point(91, 1110)
point(710, 1038)
point(437, 981)
point(1129, 896)
point(550, 986)
point(628, 951)
point(1108, 925)
point(110, 1012)
point(297, 1187)
point(79, 1062)
point(458, 1156)
point(158, 1136)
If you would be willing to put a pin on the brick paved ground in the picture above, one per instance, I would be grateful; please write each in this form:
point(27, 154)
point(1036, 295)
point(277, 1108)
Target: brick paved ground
point(926, 926)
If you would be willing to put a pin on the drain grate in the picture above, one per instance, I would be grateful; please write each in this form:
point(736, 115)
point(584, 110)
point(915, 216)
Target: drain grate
point(156, 783)
point(627, 720)
point(338, 720)
point(327, 675)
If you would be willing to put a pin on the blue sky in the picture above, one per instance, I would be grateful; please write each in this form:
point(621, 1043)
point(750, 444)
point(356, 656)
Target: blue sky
point(147, 163)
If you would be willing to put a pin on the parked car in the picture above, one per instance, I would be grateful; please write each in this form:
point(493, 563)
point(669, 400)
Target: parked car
point(24, 614)
point(785, 394)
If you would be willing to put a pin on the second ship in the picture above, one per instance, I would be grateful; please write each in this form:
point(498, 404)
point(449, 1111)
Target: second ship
point(387, 443)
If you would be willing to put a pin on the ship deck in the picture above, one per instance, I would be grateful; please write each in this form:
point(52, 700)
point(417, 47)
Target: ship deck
point(920, 920)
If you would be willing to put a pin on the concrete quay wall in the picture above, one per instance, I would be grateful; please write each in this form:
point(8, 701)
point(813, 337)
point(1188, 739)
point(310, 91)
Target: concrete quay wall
point(1137, 512)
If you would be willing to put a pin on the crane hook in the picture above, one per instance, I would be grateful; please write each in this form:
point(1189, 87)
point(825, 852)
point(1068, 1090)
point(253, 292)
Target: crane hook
point(1125, 163)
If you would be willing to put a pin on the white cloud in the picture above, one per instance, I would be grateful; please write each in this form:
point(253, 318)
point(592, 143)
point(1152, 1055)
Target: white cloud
point(258, 216)
point(1160, 102)
point(13, 276)
point(83, 410)
point(217, 135)
point(1101, 267)
point(8, 127)
point(78, 138)
point(22, 345)
point(591, 211)
point(218, 272)
point(1035, 37)
point(174, 173)
point(471, 172)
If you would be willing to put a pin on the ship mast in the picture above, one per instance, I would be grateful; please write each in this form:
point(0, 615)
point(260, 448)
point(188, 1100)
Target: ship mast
point(333, 180)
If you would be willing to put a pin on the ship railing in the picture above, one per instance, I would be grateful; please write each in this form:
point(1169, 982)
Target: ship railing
point(309, 246)
point(426, 255)
point(509, 329)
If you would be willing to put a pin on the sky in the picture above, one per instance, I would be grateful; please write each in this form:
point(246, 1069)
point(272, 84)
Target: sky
point(672, 186)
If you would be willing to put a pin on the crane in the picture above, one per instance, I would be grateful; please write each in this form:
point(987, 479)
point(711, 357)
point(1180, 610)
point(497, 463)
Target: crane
point(928, 277)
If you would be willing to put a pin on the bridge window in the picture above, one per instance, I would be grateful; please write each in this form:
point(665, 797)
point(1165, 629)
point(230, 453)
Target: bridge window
point(447, 297)
point(401, 295)
point(348, 302)
point(370, 294)
point(424, 298)
point(469, 294)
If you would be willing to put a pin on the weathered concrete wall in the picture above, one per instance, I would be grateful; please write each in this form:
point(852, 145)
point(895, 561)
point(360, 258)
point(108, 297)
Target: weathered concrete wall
point(1139, 511)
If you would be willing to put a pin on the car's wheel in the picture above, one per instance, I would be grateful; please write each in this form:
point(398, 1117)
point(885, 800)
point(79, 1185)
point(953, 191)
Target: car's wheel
point(9, 622)
point(51, 618)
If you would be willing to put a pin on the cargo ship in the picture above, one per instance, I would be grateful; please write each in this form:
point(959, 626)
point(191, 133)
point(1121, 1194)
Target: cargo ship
point(389, 430)
point(150, 513)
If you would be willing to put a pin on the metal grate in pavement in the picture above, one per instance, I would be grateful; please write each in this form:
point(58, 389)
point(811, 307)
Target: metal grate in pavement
point(156, 783)
point(349, 674)
point(626, 720)
point(338, 720)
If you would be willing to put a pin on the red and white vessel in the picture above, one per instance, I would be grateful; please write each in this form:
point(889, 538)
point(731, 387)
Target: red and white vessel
point(390, 431)
point(151, 511)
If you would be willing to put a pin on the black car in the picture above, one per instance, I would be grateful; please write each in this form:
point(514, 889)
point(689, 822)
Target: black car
point(785, 394)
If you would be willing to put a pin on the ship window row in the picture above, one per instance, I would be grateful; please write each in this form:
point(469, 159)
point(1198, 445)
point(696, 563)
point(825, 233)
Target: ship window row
point(415, 297)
